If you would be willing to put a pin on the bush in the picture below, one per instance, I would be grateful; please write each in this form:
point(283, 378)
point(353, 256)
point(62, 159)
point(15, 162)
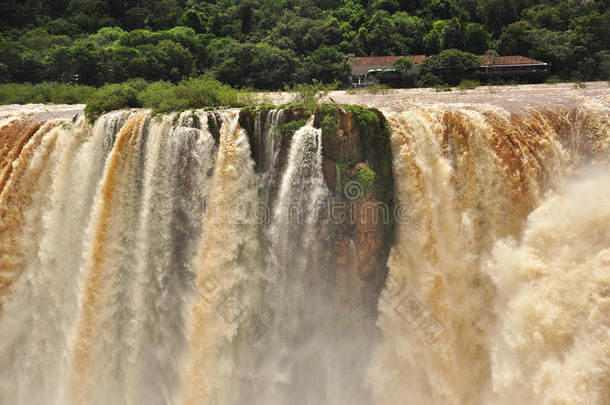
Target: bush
point(292, 126)
point(365, 177)
point(554, 79)
point(451, 65)
point(429, 80)
point(373, 132)
point(468, 84)
point(111, 97)
point(161, 96)
point(157, 94)
point(403, 63)
point(330, 125)
point(205, 91)
point(442, 87)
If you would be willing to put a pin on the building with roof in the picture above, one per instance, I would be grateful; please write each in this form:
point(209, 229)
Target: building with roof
point(511, 67)
point(363, 65)
point(492, 67)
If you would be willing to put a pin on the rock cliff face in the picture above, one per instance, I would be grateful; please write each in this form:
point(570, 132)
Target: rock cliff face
point(357, 171)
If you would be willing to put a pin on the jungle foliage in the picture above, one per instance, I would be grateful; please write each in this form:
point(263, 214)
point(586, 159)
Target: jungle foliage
point(269, 44)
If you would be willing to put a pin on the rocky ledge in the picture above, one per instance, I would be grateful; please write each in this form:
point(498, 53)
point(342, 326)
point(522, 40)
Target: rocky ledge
point(358, 172)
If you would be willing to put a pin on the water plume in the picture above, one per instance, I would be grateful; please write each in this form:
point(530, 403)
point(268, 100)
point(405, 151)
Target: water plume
point(551, 342)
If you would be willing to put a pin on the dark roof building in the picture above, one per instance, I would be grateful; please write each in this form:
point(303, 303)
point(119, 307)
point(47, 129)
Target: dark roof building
point(362, 65)
point(491, 66)
point(487, 60)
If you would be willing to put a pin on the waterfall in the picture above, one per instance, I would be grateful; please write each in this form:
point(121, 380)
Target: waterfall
point(297, 209)
point(267, 145)
point(36, 342)
point(293, 263)
point(108, 273)
point(267, 136)
point(226, 270)
point(198, 258)
point(464, 180)
point(22, 196)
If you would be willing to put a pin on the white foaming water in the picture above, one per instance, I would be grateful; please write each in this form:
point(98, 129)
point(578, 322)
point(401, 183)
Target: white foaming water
point(109, 276)
point(551, 344)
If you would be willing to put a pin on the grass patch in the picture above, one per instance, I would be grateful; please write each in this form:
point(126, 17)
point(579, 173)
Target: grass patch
point(310, 94)
point(554, 79)
point(374, 89)
point(442, 87)
point(292, 126)
point(202, 92)
point(47, 93)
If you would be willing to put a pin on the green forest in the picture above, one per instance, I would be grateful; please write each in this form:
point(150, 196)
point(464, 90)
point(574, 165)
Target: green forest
point(269, 44)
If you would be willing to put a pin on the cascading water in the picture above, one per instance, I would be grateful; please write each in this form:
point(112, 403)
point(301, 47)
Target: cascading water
point(227, 271)
point(38, 340)
point(179, 259)
point(553, 300)
point(292, 294)
point(297, 208)
point(468, 178)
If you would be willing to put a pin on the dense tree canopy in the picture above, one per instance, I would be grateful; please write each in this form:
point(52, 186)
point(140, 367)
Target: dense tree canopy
point(269, 44)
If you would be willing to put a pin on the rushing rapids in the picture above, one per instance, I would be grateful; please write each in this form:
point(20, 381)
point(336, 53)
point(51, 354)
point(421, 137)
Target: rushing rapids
point(225, 258)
